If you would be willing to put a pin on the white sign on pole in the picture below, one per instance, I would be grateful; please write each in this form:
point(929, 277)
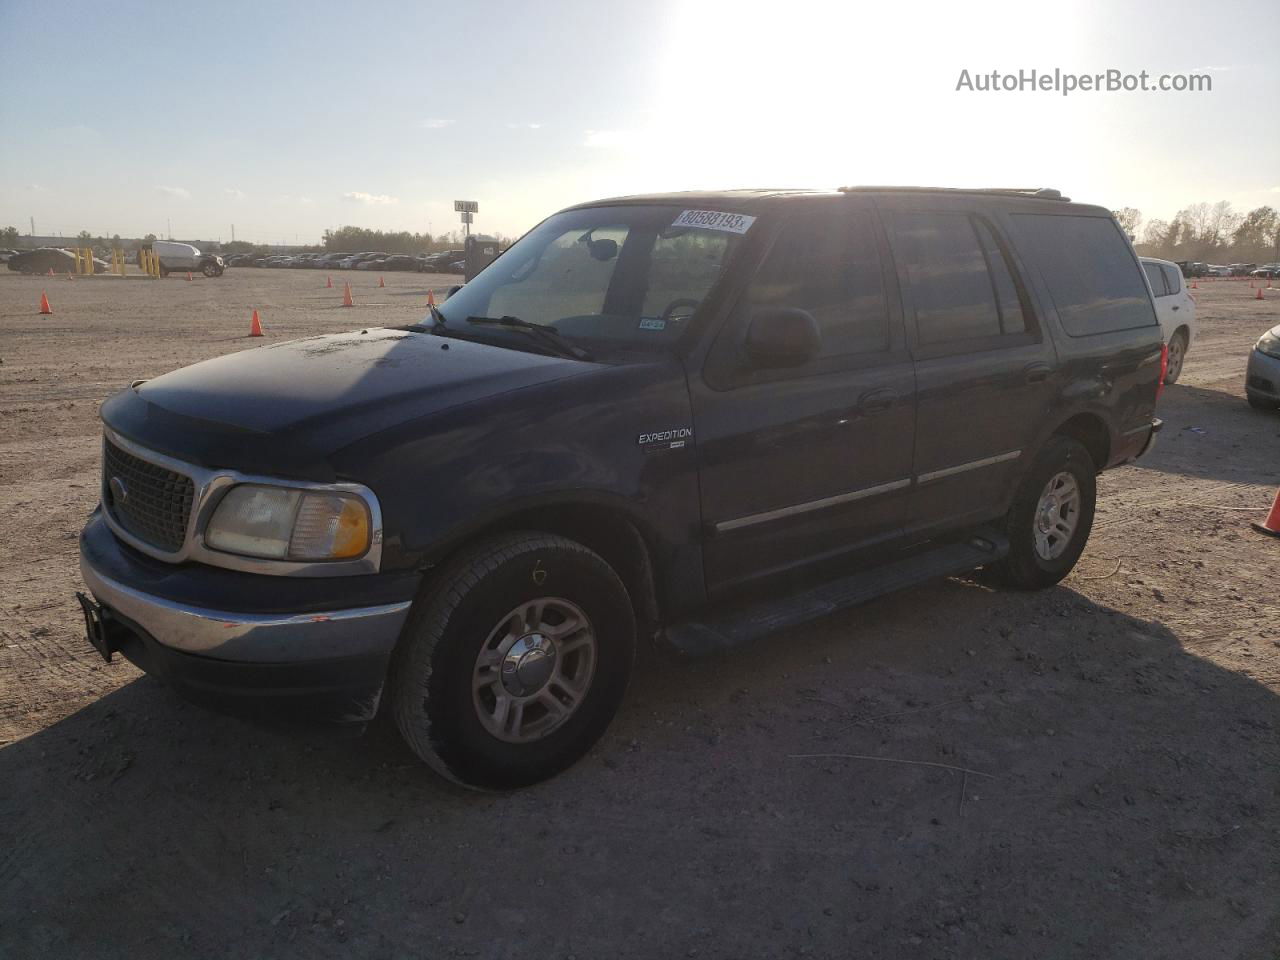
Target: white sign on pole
point(466, 206)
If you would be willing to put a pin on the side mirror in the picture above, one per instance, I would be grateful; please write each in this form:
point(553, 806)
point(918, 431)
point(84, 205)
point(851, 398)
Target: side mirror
point(782, 337)
point(452, 290)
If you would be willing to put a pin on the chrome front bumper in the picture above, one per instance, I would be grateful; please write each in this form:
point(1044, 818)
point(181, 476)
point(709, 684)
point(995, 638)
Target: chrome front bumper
point(252, 638)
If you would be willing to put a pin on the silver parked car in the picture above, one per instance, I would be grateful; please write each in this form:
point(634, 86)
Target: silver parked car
point(1262, 379)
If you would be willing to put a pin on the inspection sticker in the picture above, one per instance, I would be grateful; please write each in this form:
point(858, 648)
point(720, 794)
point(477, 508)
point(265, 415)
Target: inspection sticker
point(715, 220)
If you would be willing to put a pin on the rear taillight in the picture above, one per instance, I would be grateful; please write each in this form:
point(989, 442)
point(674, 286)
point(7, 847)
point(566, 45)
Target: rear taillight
point(1164, 368)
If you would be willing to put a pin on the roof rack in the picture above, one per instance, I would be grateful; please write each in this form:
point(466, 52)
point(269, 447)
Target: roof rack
point(1036, 193)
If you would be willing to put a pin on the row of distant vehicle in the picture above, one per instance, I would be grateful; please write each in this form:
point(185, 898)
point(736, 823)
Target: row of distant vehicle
point(1193, 268)
point(449, 261)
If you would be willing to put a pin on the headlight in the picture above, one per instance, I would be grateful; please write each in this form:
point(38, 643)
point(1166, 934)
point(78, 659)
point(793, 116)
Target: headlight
point(1269, 343)
point(281, 523)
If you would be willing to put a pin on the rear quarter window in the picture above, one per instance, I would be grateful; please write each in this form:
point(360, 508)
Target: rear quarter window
point(1090, 271)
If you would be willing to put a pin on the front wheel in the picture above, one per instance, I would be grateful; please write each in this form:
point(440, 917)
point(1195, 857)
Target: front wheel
point(514, 663)
point(1052, 514)
point(210, 270)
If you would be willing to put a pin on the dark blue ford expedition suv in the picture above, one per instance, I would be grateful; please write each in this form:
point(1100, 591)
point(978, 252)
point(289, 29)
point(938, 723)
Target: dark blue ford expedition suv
point(698, 417)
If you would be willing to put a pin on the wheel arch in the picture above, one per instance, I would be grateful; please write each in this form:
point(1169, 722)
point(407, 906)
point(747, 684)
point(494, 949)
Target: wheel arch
point(1091, 431)
point(609, 529)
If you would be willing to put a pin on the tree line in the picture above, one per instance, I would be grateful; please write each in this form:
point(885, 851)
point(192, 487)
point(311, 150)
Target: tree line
point(342, 240)
point(1208, 233)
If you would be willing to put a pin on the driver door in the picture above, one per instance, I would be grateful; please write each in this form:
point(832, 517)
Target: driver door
point(799, 465)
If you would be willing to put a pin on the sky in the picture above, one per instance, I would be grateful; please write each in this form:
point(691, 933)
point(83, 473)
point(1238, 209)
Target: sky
point(287, 118)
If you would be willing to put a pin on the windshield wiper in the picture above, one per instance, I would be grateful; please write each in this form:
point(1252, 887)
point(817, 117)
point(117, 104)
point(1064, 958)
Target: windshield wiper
point(543, 331)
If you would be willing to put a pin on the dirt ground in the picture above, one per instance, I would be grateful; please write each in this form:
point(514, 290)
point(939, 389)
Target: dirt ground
point(1121, 732)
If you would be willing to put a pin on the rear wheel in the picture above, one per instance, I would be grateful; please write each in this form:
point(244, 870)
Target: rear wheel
point(515, 662)
point(1177, 355)
point(1052, 514)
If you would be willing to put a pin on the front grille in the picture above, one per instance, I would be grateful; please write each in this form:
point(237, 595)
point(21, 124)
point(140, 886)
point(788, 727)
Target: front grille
point(156, 502)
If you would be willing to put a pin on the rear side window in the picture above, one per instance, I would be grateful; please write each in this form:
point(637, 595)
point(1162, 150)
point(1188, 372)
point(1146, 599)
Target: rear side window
point(961, 285)
point(1090, 271)
point(1173, 277)
point(1012, 319)
point(1156, 276)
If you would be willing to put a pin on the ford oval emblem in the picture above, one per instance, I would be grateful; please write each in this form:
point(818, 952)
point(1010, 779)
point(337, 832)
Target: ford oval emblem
point(119, 492)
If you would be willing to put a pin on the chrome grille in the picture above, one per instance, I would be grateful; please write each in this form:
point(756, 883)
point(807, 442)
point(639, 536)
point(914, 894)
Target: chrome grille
point(149, 501)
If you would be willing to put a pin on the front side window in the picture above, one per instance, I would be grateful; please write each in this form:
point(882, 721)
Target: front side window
point(828, 263)
point(622, 275)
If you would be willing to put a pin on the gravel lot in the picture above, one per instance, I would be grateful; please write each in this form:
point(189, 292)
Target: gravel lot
point(1121, 732)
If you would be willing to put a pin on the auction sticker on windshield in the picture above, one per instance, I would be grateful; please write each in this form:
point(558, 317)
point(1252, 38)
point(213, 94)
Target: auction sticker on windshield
point(715, 220)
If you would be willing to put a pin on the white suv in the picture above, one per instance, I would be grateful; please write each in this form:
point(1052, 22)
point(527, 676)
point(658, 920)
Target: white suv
point(1175, 309)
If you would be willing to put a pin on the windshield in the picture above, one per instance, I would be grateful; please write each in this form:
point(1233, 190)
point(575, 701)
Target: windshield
point(612, 275)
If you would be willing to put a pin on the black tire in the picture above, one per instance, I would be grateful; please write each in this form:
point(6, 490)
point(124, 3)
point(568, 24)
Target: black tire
point(1179, 339)
point(1024, 568)
point(432, 672)
point(210, 270)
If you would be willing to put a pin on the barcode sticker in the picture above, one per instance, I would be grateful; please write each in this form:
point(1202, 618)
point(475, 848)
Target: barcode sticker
point(715, 220)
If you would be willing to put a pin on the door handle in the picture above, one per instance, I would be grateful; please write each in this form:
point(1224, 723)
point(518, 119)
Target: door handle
point(1175, 306)
point(874, 401)
point(1036, 372)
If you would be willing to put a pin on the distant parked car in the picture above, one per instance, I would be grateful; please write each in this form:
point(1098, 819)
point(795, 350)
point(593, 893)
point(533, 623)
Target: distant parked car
point(49, 258)
point(183, 257)
point(6, 254)
point(1262, 378)
point(1242, 269)
point(1267, 271)
point(1217, 270)
point(439, 262)
point(399, 262)
point(1175, 310)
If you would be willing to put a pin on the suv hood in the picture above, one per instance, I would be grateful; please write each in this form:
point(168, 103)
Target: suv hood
point(283, 409)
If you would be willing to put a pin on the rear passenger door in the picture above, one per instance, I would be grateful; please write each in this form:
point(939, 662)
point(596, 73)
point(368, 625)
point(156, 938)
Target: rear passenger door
point(984, 369)
point(803, 464)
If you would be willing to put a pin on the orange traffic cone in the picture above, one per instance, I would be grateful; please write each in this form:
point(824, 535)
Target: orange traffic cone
point(255, 325)
point(44, 304)
point(188, 276)
point(380, 283)
point(1271, 526)
point(431, 299)
point(1258, 295)
point(1194, 285)
point(51, 271)
point(70, 275)
point(346, 295)
point(328, 283)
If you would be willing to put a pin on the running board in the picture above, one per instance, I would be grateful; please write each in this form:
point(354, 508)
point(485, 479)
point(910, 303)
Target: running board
point(744, 624)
